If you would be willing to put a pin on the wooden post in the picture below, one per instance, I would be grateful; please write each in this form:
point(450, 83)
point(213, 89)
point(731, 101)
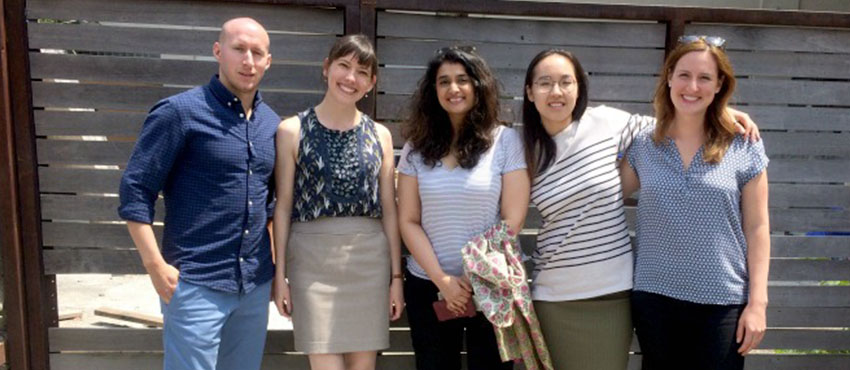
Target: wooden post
point(27, 289)
point(360, 18)
point(675, 29)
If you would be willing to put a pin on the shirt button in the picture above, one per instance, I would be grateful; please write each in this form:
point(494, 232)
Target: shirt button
point(241, 115)
point(250, 172)
point(247, 231)
point(241, 259)
point(228, 104)
point(251, 144)
point(250, 203)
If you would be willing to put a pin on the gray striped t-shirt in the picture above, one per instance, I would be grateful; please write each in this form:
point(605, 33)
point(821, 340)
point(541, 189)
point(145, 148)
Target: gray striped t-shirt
point(460, 203)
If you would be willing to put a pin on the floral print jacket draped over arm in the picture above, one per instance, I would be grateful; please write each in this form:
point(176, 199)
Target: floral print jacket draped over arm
point(493, 265)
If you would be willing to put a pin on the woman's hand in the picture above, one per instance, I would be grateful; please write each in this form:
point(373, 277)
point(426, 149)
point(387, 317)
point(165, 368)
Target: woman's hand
point(745, 124)
point(396, 299)
point(280, 295)
point(751, 327)
point(456, 292)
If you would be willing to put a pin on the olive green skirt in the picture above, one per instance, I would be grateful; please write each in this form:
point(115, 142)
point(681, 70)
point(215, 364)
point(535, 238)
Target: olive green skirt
point(588, 334)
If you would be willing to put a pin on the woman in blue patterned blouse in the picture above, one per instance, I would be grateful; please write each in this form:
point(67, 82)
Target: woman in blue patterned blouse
point(338, 264)
point(703, 245)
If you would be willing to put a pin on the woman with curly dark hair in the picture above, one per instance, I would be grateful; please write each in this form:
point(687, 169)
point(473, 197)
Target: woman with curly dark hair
point(460, 172)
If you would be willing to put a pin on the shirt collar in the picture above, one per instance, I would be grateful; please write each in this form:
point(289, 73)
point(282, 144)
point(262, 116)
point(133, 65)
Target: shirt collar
point(224, 95)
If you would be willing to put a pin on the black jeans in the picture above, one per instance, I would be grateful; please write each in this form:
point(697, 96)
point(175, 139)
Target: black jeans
point(437, 344)
point(675, 334)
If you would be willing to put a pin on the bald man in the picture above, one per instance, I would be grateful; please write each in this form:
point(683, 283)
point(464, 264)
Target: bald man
point(210, 151)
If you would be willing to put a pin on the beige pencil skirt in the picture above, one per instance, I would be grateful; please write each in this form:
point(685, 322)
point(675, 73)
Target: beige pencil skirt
point(339, 275)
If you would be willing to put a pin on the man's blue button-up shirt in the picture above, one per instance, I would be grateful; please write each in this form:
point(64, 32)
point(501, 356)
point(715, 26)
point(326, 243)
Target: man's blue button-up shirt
point(214, 167)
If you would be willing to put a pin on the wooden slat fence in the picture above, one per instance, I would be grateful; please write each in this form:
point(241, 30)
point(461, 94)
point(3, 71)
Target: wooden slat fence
point(97, 66)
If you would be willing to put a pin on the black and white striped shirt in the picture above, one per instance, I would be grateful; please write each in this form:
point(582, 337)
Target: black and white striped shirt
point(583, 248)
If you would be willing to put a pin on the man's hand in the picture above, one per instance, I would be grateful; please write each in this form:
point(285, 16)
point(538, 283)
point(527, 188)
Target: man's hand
point(164, 278)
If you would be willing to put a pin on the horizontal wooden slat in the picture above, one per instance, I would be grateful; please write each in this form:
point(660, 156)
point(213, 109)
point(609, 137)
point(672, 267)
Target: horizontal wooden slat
point(789, 64)
point(797, 362)
point(521, 31)
point(808, 317)
point(91, 208)
point(278, 341)
point(88, 123)
point(809, 170)
point(84, 152)
point(152, 41)
point(602, 87)
point(123, 70)
point(799, 118)
point(74, 180)
point(147, 361)
point(806, 339)
point(816, 144)
point(69, 234)
point(809, 296)
point(288, 18)
point(141, 98)
point(810, 246)
point(786, 91)
point(393, 51)
point(781, 246)
point(798, 220)
point(809, 270)
point(794, 195)
point(805, 220)
point(92, 261)
point(777, 38)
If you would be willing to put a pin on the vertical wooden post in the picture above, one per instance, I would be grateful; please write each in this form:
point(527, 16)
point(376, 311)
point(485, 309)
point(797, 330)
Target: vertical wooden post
point(675, 29)
point(360, 18)
point(27, 290)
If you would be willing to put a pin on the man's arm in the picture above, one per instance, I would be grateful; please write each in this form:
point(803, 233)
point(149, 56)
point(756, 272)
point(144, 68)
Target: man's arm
point(156, 150)
point(163, 276)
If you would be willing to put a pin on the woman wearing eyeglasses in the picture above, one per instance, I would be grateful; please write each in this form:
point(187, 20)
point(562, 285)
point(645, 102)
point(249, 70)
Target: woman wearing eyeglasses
point(703, 244)
point(460, 172)
point(583, 257)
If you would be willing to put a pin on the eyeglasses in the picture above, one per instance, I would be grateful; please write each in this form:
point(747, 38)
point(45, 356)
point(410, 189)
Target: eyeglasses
point(469, 49)
point(546, 84)
point(715, 41)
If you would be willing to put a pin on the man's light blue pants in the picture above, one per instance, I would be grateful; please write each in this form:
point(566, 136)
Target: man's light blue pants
point(205, 329)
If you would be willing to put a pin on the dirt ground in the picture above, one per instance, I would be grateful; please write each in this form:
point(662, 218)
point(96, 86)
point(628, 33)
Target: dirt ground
point(83, 293)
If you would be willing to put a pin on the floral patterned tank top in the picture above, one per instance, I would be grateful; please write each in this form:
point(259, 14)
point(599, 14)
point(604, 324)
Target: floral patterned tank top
point(336, 172)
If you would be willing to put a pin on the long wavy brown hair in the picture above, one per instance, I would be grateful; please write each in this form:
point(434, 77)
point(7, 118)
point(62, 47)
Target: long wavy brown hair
point(428, 127)
point(719, 125)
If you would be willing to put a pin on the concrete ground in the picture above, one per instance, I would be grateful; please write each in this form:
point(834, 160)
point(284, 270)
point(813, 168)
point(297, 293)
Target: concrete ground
point(86, 292)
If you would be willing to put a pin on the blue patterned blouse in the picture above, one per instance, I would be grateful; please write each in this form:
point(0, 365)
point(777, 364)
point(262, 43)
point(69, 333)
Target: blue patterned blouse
point(336, 172)
point(690, 244)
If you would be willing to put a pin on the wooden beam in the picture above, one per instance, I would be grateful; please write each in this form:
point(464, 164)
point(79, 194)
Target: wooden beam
point(627, 12)
point(131, 316)
point(31, 292)
point(15, 304)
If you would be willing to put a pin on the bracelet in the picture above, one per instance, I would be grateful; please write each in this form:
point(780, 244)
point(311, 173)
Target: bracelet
point(398, 276)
